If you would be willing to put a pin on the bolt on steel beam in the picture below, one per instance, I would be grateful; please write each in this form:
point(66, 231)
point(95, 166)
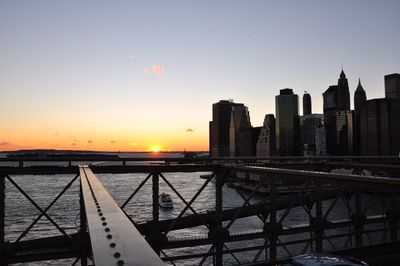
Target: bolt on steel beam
point(114, 239)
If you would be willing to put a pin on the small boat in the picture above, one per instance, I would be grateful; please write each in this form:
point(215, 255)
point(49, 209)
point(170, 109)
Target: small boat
point(165, 200)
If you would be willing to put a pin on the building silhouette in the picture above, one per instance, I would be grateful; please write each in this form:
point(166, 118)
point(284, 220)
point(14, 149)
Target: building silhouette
point(266, 144)
point(240, 132)
point(219, 128)
point(360, 99)
point(344, 133)
point(392, 86)
point(312, 135)
point(287, 123)
point(380, 127)
point(343, 93)
point(336, 100)
point(306, 103)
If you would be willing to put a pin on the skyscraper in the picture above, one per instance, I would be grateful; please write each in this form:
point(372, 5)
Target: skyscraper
point(343, 93)
point(336, 99)
point(266, 143)
point(311, 132)
point(380, 127)
point(287, 123)
point(240, 132)
point(360, 99)
point(306, 103)
point(392, 86)
point(330, 109)
point(344, 133)
point(219, 128)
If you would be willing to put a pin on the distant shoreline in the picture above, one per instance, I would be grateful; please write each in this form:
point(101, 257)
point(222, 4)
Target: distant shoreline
point(90, 151)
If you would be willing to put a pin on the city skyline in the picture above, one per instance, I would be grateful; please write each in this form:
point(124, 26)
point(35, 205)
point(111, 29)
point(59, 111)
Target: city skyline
point(142, 77)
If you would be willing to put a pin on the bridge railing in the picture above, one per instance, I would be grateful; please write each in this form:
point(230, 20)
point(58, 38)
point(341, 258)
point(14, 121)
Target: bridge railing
point(325, 211)
point(284, 212)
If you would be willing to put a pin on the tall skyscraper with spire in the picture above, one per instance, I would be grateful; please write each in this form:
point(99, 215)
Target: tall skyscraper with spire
point(338, 118)
point(343, 93)
point(360, 99)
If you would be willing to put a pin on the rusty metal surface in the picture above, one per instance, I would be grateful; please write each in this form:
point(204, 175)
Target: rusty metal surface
point(114, 239)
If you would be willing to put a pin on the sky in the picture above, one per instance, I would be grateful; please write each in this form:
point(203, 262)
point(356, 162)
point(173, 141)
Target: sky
point(143, 75)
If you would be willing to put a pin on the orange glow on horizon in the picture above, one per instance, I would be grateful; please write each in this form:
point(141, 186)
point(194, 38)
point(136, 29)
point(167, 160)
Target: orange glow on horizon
point(102, 138)
point(156, 149)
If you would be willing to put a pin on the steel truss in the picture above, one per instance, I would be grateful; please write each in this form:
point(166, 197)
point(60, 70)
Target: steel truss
point(344, 212)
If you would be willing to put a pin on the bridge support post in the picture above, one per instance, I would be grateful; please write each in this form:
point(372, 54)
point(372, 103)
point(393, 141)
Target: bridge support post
point(3, 257)
point(219, 241)
point(273, 238)
point(83, 222)
point(155, 238)
point(358, 221)
point(318, 222)
point(394, 213)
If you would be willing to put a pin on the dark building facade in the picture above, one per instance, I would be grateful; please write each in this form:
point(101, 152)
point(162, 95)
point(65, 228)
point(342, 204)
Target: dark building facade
point(360, 99)
point(380, 127)
point(219, 128)
point(312, 134)
point(336, 99)
point(287, 123)
point(392, 86)
point(306, 104)
point(344, 133)
point(343, 93)
point(266, 144)
point(240, 132)
point(330, 109)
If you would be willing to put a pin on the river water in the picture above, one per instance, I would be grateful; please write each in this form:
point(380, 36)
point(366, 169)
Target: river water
point(44, 188)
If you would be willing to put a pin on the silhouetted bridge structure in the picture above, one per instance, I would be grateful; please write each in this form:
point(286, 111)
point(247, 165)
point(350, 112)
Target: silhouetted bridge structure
point(344, 213)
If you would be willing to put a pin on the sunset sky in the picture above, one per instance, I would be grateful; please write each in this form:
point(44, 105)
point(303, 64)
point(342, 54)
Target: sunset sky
point(141, 75)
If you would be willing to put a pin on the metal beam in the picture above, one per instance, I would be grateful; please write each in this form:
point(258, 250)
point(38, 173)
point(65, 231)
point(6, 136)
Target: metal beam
point(114, 239)
point(349, 179)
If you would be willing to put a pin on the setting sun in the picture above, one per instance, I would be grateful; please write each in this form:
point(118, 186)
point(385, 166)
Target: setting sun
point(156, 148)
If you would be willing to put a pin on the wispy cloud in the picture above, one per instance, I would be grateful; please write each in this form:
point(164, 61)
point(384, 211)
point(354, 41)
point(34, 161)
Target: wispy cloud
point(113, 141)
point(90, 141)
point(189, 130)
point(131, 56)
point(73, 144)
point(132, 143)
point(158, 69)
point(4, 143)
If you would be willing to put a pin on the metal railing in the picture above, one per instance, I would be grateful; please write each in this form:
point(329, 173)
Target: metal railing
point(339, 211)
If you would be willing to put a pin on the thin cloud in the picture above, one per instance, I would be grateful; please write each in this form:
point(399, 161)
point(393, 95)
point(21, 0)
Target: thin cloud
point(131, 56)
point(132, 143)
point(189, 130)
point(113, 141)
point(73, 144)
point(158, 69)
point(4, 143)
point(90, 141)
point(146, 71)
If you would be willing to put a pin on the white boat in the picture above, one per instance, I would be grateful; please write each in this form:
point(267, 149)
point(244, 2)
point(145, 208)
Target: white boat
point(165, 200)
